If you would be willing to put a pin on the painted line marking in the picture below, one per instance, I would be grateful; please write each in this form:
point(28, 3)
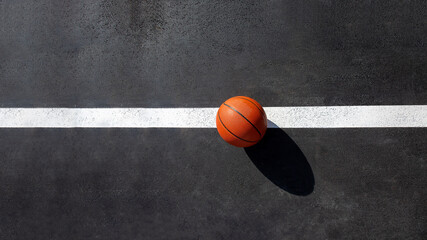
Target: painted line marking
point(283, 117)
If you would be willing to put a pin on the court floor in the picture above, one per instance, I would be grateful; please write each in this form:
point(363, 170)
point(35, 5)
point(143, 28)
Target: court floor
point(184, 182)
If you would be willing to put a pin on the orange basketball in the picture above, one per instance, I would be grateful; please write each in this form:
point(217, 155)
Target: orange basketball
point(241, 121)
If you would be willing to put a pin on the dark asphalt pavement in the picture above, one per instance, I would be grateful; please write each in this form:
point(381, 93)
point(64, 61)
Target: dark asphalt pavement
point(187, 183)
point(199, 53)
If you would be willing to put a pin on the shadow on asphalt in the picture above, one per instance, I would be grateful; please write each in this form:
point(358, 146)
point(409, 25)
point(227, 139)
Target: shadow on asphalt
point(280, 159)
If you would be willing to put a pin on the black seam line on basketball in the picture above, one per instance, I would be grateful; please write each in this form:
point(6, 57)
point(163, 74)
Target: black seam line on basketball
point(219, 116)
point(244, 118)
point(262, 112)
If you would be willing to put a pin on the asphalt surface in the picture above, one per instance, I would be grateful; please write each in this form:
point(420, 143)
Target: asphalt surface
point(188, 183)
point(198, 53)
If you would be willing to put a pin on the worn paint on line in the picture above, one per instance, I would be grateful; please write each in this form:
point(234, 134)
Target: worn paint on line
point(282, 117)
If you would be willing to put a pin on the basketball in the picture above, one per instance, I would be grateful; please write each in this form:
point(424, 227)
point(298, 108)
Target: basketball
point(241, 121)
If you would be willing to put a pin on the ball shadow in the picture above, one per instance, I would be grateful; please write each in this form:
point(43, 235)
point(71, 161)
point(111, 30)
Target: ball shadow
point(280, 159)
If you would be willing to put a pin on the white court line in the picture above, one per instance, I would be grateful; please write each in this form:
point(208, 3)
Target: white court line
point(282, 117)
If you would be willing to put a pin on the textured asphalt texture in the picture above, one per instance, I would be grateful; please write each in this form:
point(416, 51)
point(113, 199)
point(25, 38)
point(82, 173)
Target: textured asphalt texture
point(188, 183)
